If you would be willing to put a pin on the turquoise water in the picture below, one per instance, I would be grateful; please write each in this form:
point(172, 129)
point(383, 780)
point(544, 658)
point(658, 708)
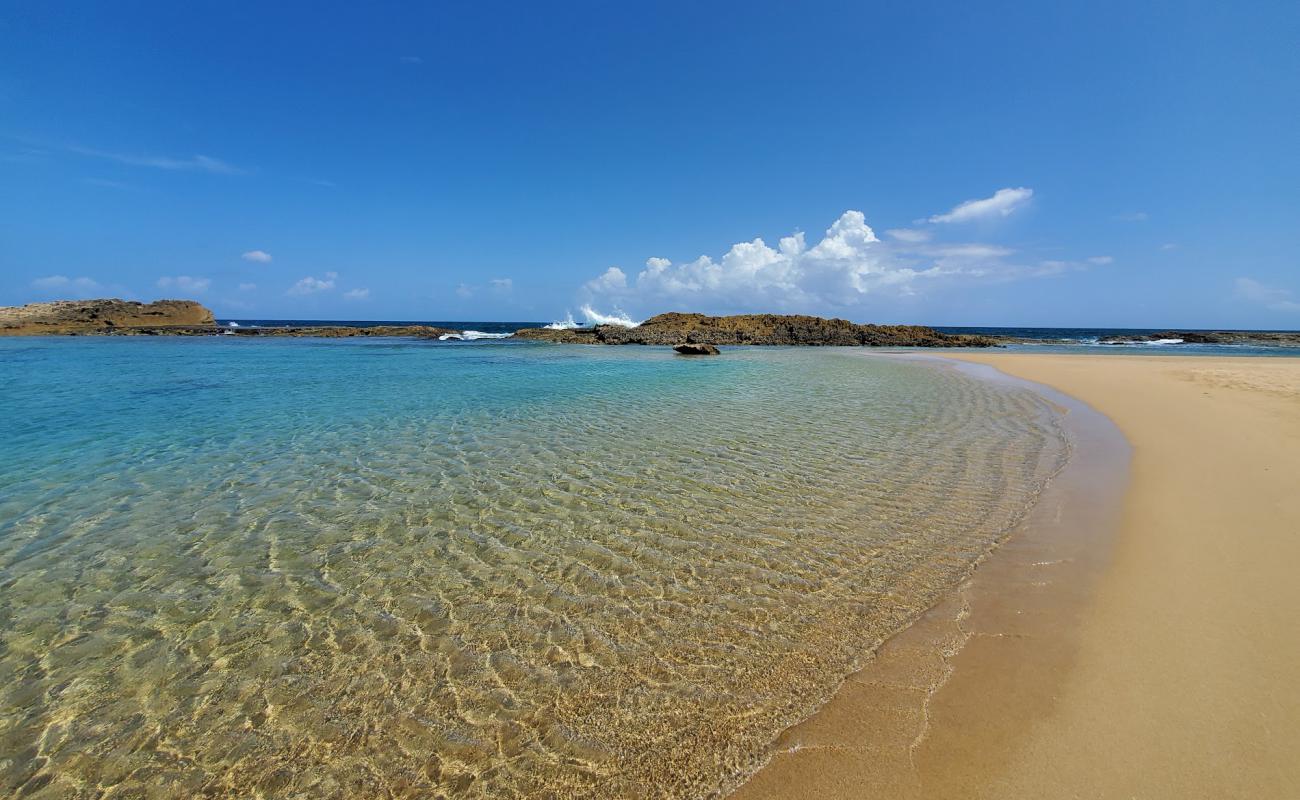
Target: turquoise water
point(338, 568)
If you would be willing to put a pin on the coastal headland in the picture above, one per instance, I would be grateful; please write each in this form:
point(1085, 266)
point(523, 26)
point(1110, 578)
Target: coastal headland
point(1166, 670)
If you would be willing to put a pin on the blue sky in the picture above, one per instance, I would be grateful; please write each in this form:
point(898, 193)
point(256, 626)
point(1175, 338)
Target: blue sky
point(942, 163)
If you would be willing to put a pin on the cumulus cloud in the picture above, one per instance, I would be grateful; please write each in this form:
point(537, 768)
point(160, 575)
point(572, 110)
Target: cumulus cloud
point(1003, 203)
point(843, 268)
point(313, 285)
point(1273, 298)
point(356, 294)
point(845, 265)
point(260, 256)
point(614, 279)
point(185, 283)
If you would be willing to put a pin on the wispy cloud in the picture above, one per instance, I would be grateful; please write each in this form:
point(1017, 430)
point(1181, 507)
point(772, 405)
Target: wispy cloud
point(185, 283)
point(312, 285)
point(197, 163)
point(1003, 203)
point(412, 60)
point(356, 294)
point(260, 256)
point(75, 288)
point(1168, 246)
point(910, 235)
point(502, 284)
point(1101, 261)
point(1273, 298)
point(1132, 216)
point(247, 287)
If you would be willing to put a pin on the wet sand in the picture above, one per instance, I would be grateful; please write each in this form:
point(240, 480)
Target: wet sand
point(1155, 657)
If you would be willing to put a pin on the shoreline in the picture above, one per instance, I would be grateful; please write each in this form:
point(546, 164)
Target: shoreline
point(1154, 664)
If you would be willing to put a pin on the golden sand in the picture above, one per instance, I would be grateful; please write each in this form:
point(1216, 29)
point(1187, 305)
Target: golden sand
point(1166, 670)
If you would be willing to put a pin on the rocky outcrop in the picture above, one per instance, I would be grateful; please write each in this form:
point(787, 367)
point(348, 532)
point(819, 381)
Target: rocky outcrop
point(760, 329)
point(691, 349)
point(1252, 338)
point(102, 316)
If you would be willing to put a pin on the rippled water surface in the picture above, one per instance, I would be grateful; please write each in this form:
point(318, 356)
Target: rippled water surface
point(368, 569)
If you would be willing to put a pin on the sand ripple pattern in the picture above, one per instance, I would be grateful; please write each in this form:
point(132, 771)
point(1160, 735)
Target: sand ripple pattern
point(336, 570)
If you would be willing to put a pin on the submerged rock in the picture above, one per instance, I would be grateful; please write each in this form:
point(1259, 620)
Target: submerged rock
point(693, 349)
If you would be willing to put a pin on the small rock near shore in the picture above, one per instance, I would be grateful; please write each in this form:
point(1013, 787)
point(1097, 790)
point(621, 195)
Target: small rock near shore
point(696, 349)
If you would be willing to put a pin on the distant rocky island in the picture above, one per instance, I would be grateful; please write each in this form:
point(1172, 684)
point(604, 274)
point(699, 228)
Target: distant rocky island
point(164, 318)
point(676, 328)
point(1252, 338)
point(63, 317)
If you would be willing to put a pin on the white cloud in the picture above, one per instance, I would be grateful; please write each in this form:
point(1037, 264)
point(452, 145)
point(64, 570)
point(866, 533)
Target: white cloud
point(74, 288)
point(464, 290)
point(1133, 216)
point(502, 284)
point(412, 60)
point(842, 269)
point(614, 280)
point(848, 263)
point(260, 256)
point(356, 294)
point(1168, 246)
point(247, 287)
point(185, 283)
point(1271, 297)
point(910, 235)
point(197, 163)
point(1004, 202)
point(312, 285)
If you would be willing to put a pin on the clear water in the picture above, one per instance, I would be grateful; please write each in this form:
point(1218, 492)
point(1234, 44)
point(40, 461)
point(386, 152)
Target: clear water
point(339, 568)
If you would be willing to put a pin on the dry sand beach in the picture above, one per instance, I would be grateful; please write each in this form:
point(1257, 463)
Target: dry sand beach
point(1159, 663)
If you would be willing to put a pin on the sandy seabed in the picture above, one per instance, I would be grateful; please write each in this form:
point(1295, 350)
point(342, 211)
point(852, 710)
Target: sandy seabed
point(1146, 646)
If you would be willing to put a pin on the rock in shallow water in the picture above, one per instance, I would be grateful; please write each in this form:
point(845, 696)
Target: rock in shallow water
point(694, 349)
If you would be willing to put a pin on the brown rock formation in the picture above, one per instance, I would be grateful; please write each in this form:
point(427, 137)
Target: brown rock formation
point(691, 349)
point(102, 316)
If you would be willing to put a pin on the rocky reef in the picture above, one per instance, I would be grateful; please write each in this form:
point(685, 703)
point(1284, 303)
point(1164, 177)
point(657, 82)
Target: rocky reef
point(103, 317)
point(676, 328)
point(342, 331)
point(1251, 338)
